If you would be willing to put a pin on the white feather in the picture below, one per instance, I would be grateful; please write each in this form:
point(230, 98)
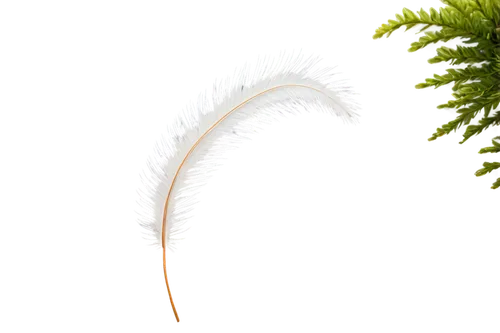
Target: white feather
point(290, 83)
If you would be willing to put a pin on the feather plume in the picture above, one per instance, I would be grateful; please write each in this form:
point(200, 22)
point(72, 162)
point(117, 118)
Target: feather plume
point(188, 148)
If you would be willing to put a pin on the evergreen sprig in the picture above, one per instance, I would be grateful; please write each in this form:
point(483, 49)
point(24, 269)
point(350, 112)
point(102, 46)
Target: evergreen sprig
point(490, 167)
point(476, 88)
point(494, 149)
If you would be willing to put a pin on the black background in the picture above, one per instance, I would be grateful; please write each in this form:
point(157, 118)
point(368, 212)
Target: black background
point(314, 225)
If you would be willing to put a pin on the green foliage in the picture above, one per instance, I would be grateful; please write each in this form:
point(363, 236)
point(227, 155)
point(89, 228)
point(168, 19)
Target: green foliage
point(487, 166)
point(461, 55)
point(460, 75)
point(476, 87)
point(494, 149)
point(483, 124)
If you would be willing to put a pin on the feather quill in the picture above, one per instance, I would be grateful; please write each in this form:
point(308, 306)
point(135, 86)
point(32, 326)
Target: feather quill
point(178, 166)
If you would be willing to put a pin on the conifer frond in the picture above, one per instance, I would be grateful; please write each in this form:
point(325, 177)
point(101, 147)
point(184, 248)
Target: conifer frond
point(494, 149)
point(409, 19)
point(431, 38)
point(490, 167)
point(461, 55)
point(453, 126)
point(491, 104)
point(483, 123)
point(487, 167)
point(476, 87)
point(479, 85)
point(459, 75)
point(466, 114)
point(452, 22)
point(496, 184)
point(456, 102)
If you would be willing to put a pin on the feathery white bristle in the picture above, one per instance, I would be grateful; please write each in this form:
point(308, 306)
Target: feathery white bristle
point(329, 93)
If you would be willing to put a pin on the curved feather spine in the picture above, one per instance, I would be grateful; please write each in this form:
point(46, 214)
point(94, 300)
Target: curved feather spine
point(207, 129)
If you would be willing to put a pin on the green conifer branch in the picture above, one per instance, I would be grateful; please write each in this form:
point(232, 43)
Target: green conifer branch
point(465, 116)
point(496, 184)
point(476, 87)
point(452, 22)
point(483, 124)
point(459, 75)
point(494, 149)
point(433, 37)
point(461, 54)
point(487, 167)
point(458, 103)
